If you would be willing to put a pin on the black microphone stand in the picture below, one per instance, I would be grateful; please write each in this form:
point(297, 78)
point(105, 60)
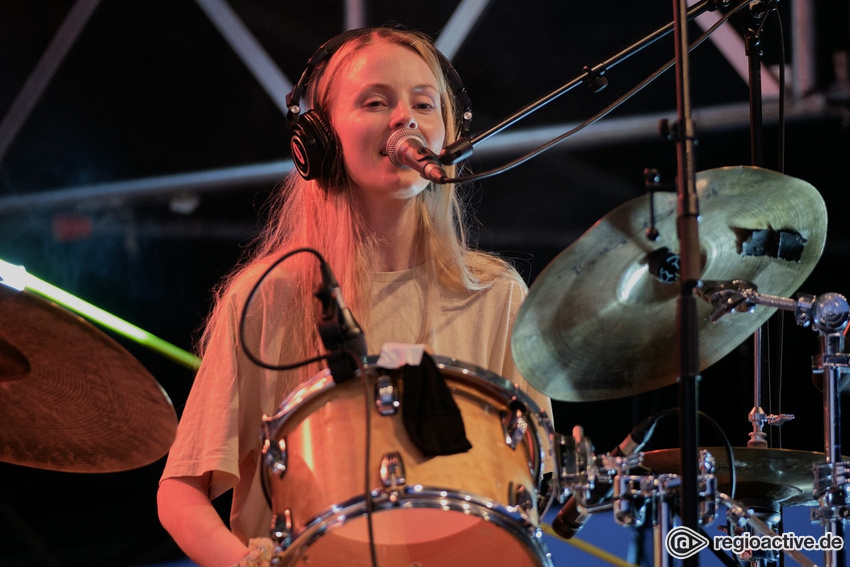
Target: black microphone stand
point(689, 252)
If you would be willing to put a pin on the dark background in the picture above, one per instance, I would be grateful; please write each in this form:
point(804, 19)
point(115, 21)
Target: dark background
point(150, 90)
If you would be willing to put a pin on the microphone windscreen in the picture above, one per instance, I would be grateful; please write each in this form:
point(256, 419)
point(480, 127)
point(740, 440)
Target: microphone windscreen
point(395, 146)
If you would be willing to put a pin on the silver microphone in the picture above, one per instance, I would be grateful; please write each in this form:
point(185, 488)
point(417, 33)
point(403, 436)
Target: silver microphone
point(407, 148)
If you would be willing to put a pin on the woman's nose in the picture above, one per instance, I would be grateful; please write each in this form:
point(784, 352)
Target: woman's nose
point(403, 117)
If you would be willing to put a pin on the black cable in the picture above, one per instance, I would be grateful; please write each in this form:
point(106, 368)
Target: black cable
point(597, 117)
point(780, 349)
point(367, 489)
point(781, 168)
point(242, 320)
point(781, 133)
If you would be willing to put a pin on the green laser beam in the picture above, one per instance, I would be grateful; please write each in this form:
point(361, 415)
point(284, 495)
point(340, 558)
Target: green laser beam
point(18, 278)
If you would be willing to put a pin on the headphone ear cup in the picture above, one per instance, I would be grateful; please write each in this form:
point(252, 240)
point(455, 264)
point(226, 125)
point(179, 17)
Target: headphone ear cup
point(313, 145)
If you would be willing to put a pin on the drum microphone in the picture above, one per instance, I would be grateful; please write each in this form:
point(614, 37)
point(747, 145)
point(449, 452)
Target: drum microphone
point(339, 329)
point(408, 149)
point(571, 518)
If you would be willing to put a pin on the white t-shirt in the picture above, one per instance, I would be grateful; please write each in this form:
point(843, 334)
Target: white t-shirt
point(219, 428)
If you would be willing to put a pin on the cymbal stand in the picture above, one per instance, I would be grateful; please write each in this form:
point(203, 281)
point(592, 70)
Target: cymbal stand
point(758, 11)
point(757, 415)
point(831, 486)
point(828, 315)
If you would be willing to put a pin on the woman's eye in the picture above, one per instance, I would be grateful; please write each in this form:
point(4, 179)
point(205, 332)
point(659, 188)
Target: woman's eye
point(425, 105)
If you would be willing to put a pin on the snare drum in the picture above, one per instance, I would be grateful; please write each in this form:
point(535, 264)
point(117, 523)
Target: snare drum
point(480, 507)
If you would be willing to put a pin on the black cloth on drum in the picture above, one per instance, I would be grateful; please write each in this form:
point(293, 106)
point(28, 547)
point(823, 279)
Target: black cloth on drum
point(429, 412)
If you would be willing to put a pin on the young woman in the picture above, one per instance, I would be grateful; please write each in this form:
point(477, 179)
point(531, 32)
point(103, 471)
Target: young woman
point(395, 242)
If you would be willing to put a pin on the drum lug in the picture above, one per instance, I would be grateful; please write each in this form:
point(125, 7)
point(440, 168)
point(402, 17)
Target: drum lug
point(281, 532)
point(386, 396)
point(392, 472)
point(520, 497)
point(275, 457)
point(514, 426)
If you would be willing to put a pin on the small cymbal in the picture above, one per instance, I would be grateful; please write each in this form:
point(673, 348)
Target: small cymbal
point(599, 322)
point(783, 476)
point(71, 398)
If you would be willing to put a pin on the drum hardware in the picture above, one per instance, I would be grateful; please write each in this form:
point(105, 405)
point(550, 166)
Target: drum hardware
point(588, 480)
point(638, 498)
point(521, 498)
point(514, 426)
point(282, 530)
point(579, 469)
point(629, 502)
point(73, 399)
point(651, 497)
point(386, 396)
point(662, 491)
point(757, 521)
point(634, 495)
point(392, 473)
point(707, 487)
point(828, 316)
point(652, 183)
point(275, 456)
point(758, 417)
point(833, 492)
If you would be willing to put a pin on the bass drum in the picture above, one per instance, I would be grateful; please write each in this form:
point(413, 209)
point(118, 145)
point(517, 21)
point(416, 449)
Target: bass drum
point(481, 507)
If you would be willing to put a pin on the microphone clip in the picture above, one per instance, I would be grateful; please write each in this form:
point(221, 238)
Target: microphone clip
point(340, 333)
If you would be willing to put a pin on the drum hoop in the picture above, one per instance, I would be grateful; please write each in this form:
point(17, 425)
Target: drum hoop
point(323, 381)
point(508, 518)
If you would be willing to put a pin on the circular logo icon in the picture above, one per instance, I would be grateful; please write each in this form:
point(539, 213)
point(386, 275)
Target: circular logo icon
point(683, 542)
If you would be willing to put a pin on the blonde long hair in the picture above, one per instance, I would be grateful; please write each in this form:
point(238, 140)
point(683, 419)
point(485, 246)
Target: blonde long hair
point(302, 211)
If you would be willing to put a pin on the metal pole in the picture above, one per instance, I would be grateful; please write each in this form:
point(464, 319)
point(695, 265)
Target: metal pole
point(689, 250)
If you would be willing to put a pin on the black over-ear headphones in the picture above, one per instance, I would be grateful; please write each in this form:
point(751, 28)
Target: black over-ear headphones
point(313, 143)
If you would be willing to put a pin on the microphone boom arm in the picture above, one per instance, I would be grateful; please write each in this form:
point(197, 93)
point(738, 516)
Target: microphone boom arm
point(594, 77)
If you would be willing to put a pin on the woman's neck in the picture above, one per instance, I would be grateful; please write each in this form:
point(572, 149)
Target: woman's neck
point(394, 225)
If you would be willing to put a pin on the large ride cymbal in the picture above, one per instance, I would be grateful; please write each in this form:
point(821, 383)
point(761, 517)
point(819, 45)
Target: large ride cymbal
point(783, 476)
point(597, 324)
point(71, 398)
